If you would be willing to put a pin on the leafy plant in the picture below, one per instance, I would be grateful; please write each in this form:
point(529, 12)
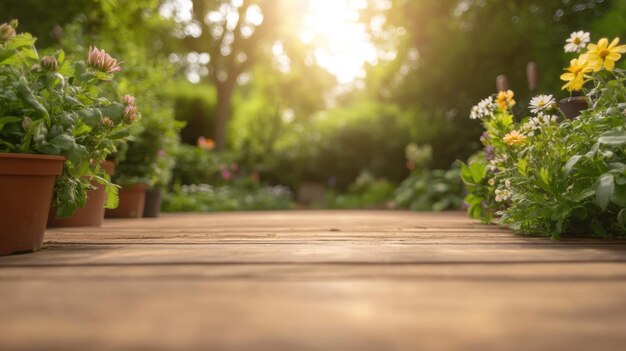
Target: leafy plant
point(425, 189)
point(547, 175)
point(431, 190)
point(53, 106)
point(202, 165)
point(207, 198)
point(366, 192)
point(148, 156)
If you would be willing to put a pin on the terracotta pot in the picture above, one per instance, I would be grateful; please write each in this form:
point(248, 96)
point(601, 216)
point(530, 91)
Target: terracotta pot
point(132, 201)
point(152, 209)
point(92, 215)
point(26, 184)
point(572, 106)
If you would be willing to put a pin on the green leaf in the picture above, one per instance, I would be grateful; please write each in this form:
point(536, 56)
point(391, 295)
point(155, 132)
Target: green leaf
point(583, 195)
point(613, 137)
point(619, 196)
point(34, 129)
point(598, 229)
point(27, 95)
point(522, 166)
point(91, 116)
point(604, 190)
point(63, 142)
point(115, 111)
point(478, 171)
point(81, 130)
point(112, 192)
point(113, 198)
point(569, 165)
point(6, 120)
point(620, 218)
point(544, 175)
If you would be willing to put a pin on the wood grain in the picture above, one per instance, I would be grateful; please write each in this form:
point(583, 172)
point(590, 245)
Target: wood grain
point(312, 280)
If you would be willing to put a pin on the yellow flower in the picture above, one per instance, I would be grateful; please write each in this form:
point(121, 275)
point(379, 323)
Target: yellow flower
point(576, 73)
point(514, 138)
point(604, 54)
point(505, 99)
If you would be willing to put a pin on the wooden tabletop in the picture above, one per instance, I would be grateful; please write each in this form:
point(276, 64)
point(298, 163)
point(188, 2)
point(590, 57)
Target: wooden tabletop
point(312, 280)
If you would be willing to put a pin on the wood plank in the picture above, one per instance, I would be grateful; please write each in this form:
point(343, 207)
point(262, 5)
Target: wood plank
point(362, 253)
point(515, 272)
point(340, 315)
point(318, 280)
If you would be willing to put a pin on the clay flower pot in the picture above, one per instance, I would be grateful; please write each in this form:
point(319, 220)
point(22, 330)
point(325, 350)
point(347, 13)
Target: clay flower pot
point(92, 215)
point(152, 209)
point(132, 201)
point(572, 106)
point(26, 184)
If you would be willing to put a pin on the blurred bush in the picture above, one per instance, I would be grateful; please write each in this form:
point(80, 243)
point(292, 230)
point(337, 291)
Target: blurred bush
point(208, 198)
point(366, 192)
point(431, 190)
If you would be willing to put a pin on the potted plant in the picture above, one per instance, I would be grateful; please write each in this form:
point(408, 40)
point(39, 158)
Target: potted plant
point(53, 122)
point(546, 174)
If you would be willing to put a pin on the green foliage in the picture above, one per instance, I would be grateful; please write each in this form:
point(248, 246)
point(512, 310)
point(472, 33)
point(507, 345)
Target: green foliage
point(195, 165)
point(480, 197)
point(130, 34)
point(431, 190)
point(54, 106)
point(207, 198)
point(365, 192)
point(366, 137)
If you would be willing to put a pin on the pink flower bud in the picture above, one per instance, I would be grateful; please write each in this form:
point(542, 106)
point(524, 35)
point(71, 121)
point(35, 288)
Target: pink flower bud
point(7, 32)
point(49, 63)
point(107, 122)
point(128, 100)
point(130, 114)
point(101, 61)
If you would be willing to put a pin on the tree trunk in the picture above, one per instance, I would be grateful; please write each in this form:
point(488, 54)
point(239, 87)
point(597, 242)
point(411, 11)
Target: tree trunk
point(224, 94)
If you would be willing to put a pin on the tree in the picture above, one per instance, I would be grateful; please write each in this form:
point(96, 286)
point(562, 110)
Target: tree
point(230, 32)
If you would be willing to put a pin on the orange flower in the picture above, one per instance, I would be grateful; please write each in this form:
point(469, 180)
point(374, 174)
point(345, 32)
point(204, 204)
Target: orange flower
point(206, 143)
point(505, 99)
point(514, 138)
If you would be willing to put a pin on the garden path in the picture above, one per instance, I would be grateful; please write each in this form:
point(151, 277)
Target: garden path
point(312, 280)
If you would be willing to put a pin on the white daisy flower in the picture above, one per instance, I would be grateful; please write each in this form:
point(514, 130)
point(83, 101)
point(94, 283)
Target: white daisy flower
point(536, 122)
point(485, 108)
point(502, 195)
point(577, 41)
point(542, 103)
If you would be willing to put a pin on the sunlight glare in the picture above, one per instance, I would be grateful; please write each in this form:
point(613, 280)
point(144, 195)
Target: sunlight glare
point(342, 44)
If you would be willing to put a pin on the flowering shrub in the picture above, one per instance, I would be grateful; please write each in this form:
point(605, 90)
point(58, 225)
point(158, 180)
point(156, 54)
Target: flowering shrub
point(546, 174)
point(52, 106)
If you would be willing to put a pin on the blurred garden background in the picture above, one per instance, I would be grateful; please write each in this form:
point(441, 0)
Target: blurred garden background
point(252, 104)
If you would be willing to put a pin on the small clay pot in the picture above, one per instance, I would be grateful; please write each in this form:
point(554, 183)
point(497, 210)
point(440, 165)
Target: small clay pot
point(152, 209)
point(26, 184)
point(132, 201)
point(572, 106)
point(92, 215)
